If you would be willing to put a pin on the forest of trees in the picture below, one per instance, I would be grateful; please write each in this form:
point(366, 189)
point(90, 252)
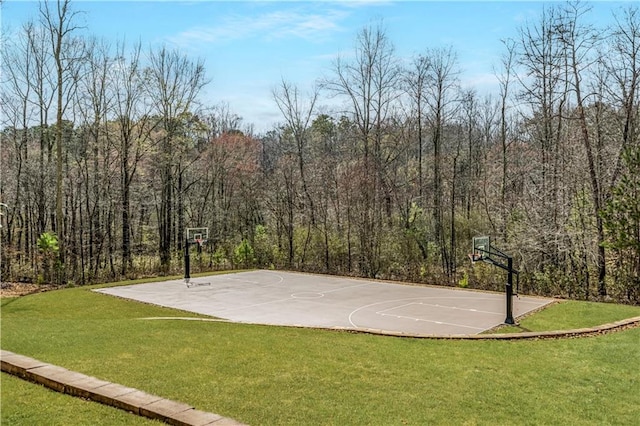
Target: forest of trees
point(108, 154)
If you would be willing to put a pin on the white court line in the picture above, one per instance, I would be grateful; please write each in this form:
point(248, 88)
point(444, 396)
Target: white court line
point(276, 274)
point(307, 295)
point(355, 311)
point(432, 321)
point(453, 308)
point(342, 288)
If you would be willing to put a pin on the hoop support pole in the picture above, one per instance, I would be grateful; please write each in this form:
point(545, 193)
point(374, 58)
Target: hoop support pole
point(187, 263)
point(509, 292)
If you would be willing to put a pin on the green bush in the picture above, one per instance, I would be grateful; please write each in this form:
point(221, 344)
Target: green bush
point(464, 281)
point(49, 248)
point(219, 257)
point(244, 254)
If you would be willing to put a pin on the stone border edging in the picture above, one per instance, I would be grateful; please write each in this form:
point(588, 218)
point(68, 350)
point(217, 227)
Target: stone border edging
point(129, 399)
point(555, 334)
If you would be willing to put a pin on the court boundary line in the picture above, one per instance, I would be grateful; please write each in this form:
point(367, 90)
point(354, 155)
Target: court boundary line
point(355, 311)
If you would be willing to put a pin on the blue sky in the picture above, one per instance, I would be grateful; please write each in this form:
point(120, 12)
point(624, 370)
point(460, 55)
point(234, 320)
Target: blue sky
point(249, 47)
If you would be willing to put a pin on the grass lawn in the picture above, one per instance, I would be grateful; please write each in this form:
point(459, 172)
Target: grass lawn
point(25, 403)
point(572, 314)
point(274, 375)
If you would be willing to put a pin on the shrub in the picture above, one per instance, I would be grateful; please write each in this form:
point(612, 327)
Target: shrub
point(244, 254)
point(48, 247)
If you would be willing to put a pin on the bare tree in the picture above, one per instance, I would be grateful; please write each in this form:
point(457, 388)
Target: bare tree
point(442, 90)
point(370, 86)
point(505, 79)
point(43, 83)
point(622, 64)
point(17, 69)
point(134, 128)
point(578, 42)
point(94, 104)
point(28, 95)
point(544, 95)
point(416, 79)
point(60, 25)
point(173, 84)
point(297, 114)
point(220, 120)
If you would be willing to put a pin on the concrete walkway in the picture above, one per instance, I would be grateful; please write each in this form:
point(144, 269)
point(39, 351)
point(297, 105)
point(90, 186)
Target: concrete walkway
point(122, 397)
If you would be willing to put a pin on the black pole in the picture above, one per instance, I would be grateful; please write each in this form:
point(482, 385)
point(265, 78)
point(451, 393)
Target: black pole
point(509, 291)
point(187, 266)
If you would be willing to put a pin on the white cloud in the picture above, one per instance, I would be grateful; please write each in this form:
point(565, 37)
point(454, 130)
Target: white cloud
point(483, 82)
point(311, 26)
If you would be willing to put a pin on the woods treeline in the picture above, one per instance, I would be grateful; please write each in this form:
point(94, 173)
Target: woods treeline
point(109, 154)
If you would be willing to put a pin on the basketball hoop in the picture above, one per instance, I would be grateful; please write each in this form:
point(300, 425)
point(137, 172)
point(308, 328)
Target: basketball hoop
point(483, 250)
point(193, 236)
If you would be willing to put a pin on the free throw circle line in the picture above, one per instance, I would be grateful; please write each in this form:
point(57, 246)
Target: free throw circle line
point(351, 315)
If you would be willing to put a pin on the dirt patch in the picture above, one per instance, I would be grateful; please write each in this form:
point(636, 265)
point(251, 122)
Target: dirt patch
point(22, 289)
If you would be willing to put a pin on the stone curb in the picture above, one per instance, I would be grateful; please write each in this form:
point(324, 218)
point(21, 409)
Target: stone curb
point(118, 396)
point(555, 334)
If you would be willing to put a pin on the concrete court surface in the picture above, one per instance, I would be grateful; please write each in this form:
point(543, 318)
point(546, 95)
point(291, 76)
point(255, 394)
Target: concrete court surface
point(287, 298)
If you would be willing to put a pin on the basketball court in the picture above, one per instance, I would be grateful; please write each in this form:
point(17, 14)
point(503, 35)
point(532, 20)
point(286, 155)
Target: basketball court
point(287, 298)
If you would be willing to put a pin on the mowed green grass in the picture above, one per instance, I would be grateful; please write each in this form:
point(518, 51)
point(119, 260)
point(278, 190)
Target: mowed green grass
point(573, 314)
point(25, 403)
point(265, 375)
